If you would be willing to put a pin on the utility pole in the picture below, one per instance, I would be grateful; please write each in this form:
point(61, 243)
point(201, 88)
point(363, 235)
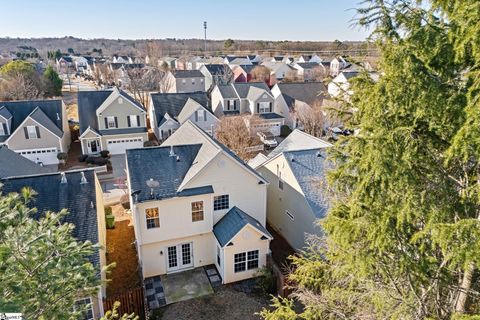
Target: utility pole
point(205, 42)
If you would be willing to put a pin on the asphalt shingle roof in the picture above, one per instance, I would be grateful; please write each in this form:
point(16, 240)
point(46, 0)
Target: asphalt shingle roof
point(270, 116)
point(173, 103)
point(5, 113)
point(20, 110)
point(217, 69)
point(188, 74)
point(308, 167)
point(40, 116)
point(12, 164)
point(232, 222)
point(308, 92)
point(157, 164)
point(79, 199)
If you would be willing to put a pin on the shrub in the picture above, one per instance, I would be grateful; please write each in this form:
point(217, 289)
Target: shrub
point(285, 131)
point(147, 144)
point(266, 281)
point(82, 157)
point(108, 211)
point(62, 156)
point(100, 161)
point(90, 160)
point(104, 153)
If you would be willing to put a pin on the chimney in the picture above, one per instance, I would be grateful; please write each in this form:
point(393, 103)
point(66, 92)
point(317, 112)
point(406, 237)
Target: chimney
point(172, 153)
point(63, 178)
point(83, 180)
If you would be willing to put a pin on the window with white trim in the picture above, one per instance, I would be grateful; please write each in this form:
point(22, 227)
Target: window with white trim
point(245, 261)
point(197, 211)
point(32, 132)
point(264, 107)
point(152, 218)
point(134, 121)
point(221, 202)
point(84, 306)
point(200, 115)
point(280, 180)
point(111, 122)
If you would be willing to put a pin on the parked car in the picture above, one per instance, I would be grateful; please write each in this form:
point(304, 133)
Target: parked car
point(268, 139)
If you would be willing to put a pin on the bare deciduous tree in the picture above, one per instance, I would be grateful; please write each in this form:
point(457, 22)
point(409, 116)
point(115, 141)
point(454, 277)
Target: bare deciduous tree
point(260, 73)
point(233, 132)
point(313, 119)
point(20, 87)
point(143, 81)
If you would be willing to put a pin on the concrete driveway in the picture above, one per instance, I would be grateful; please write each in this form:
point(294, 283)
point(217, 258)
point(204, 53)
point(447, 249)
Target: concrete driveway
point(115, 187)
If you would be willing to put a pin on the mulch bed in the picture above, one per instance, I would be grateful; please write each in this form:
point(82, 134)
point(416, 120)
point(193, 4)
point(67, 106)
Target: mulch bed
point(121, 250)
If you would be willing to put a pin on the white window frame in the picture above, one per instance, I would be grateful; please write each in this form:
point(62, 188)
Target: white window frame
point(222, 204)
point(155, 219)
point(88, 308)
point(29, 132)
point(244, 260)
point(261, 107)
point(134, 121)
point(197, 211)
point(110, 121)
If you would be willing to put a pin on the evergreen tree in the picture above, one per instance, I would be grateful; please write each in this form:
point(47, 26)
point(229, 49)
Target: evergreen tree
point(52, 82)
point(403, 234)
point(43, 269)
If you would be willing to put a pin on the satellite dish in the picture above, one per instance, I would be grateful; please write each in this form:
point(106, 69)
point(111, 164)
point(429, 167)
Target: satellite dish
point(152, 184)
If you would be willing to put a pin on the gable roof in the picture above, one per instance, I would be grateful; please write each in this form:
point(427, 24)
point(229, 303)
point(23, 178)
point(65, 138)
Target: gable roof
point(189, 132)
point(52, 195)
point(307, 65)
point(217, 69)
point(50, 113)
point(308, 92)
point(189, 108)
point(299, 140)
point(12, 164)
point(188, 74)
point(173, 103)
point(308, 167)
point(156, 163)
point(244, 90)
point(232, 223)
point(90, 101)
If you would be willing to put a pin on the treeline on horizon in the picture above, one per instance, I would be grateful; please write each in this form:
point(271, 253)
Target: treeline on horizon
point(179, 47)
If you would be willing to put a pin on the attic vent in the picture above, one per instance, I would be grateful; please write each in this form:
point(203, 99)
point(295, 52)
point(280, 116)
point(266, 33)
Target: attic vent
point(83, 180)
point(120, 100)
point(63, 178)
point(172, 153)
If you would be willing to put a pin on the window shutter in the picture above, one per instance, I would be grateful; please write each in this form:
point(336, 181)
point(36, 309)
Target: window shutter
point(116, 122)
point(38, 131)
point(26, 132)
point(5, 128)
point(138, 121)
point(270, 107)
point(234, 104)
point(128, 121)
point(258, 107)
point(106, 123)
point(204, 115)
point(196, 116)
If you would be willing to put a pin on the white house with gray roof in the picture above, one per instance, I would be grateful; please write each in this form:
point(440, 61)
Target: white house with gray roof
point(184, 81)
point(195, 203)
point(110, 120)
point(297, 194)
point(168, 111)
point(36, 129)
point(252, 99)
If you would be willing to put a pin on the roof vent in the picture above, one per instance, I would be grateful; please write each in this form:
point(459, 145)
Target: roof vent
point(58, 117)
point(172, 153)
point(63, 178)
point(293, 159)
point(178, 158)
point(152, 184)
point(92, 205)
point(319, 155)
point(83, 180)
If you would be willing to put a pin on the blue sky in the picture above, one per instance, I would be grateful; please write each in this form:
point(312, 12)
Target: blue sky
point(140, 19)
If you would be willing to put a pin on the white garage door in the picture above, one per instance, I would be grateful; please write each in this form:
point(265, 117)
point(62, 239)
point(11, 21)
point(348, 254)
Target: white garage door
point(118, 146)
point(45, 156)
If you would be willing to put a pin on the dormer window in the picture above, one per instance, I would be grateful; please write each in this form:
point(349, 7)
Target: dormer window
point(263, 107)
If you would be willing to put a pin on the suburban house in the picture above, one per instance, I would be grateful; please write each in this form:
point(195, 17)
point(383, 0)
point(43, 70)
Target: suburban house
point(309, 58)
point(122, 59)
point(36, 129)
point(64, 62)
point(185, 81)
point(308, 71)
point(13, 164)
point(294, 97)
point(78, 192)
point(110, 120)
point(251, 99)
point(339, 87)
point(216, 74)
point(237, 61)
point(243, 73)
point(296, 196)
point(195, 203)
point(168, 111)
point(337, 65)
point(279, 71)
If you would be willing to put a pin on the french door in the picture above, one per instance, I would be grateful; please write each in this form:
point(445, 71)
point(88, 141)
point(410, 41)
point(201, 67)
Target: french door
point(179, 257)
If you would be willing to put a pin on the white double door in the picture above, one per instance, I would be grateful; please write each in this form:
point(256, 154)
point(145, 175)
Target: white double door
point(179, 257)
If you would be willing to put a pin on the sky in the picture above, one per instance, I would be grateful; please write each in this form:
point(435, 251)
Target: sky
point(311, 20)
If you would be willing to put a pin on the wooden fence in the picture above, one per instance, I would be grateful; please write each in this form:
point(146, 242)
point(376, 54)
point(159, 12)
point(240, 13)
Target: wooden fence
point(132, 301)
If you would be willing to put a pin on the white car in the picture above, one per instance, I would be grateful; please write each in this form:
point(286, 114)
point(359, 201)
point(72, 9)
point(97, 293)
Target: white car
point(268, 139)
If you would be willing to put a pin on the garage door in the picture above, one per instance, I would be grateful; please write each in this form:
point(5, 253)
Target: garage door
point(118, 146)
point(45, 156)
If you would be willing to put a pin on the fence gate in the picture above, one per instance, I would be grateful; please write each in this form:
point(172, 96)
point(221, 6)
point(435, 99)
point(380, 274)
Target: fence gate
point(131, 301)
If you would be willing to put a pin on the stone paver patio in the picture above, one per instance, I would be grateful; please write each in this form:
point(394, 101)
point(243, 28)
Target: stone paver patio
point(186, 285)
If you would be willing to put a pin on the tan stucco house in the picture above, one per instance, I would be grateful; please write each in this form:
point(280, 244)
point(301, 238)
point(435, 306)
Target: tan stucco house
point(110, 120)
point(195, 203)
point(36, 129)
